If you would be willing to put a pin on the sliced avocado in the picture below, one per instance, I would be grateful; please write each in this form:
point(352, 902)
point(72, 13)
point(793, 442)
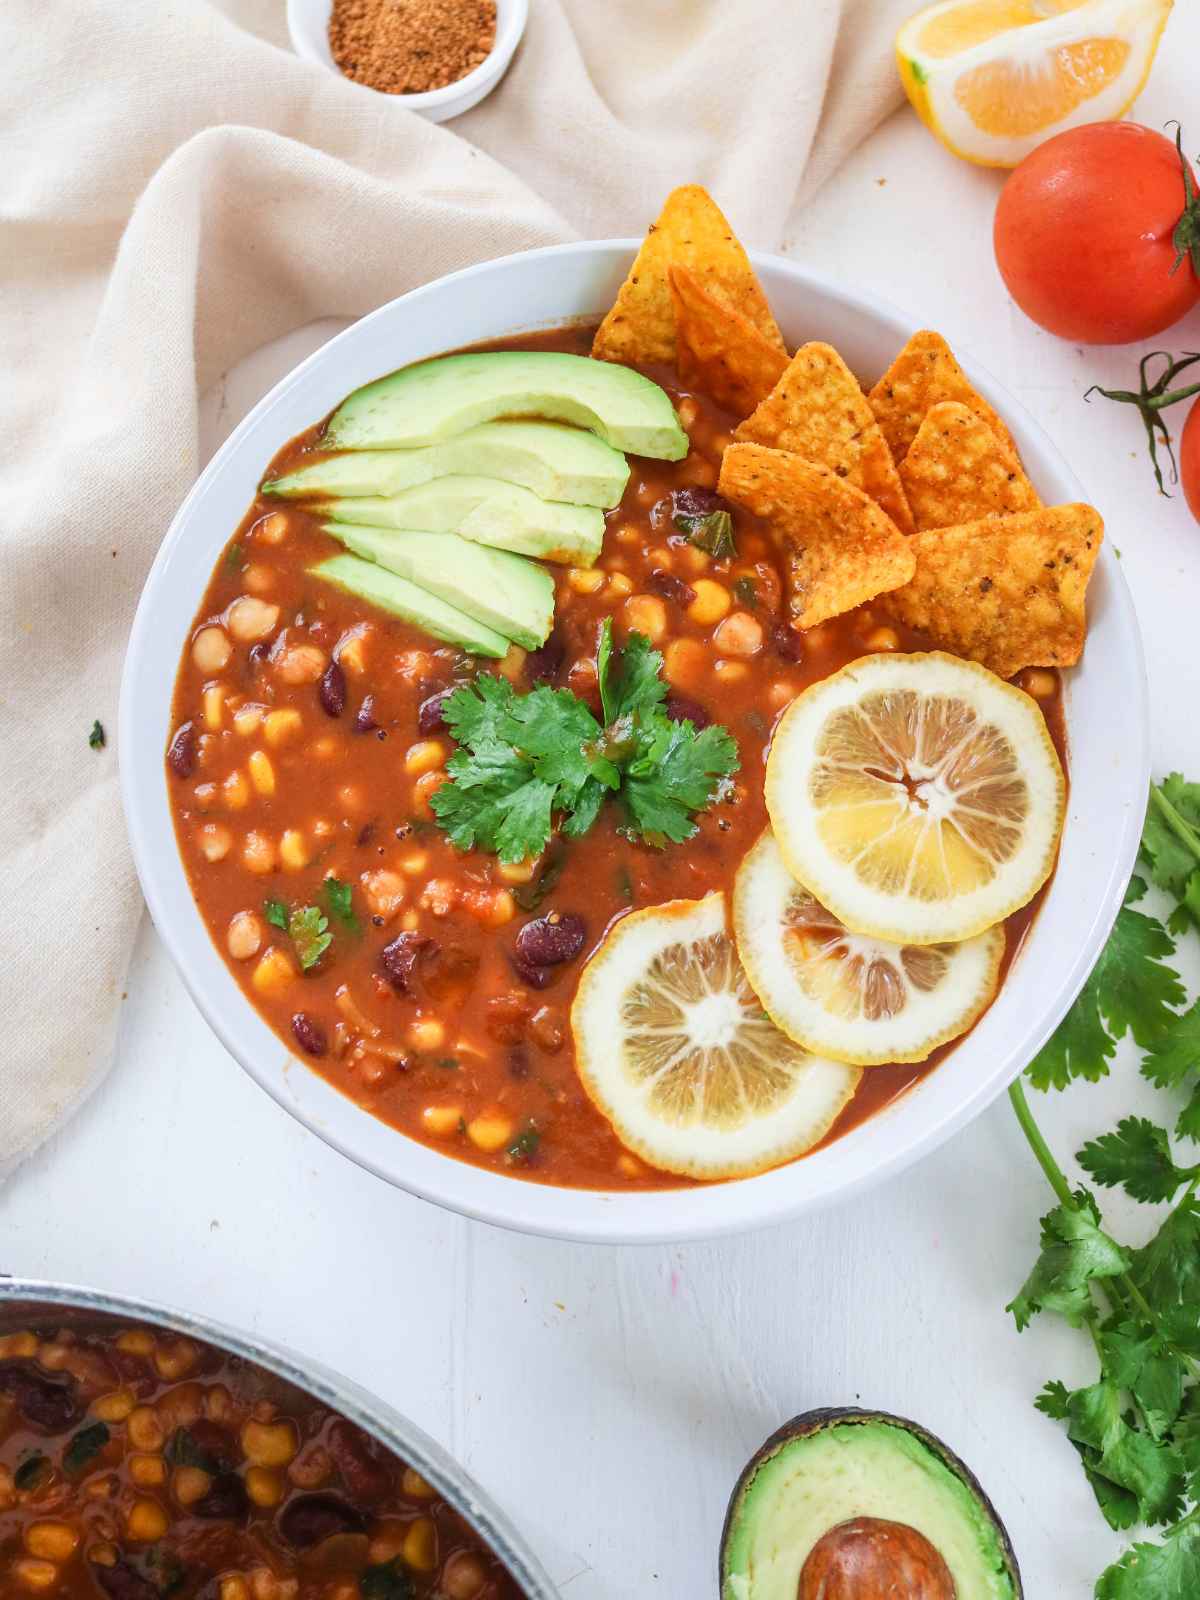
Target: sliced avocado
point(404, 599)
point(847, 1501)
point(548, 458)
point(503, 591)
point(437, 399)
point(485, 511)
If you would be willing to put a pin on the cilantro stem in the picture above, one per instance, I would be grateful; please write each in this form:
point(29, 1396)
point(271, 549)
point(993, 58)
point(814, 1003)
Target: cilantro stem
point(1055, 1176)
point(1179, 825)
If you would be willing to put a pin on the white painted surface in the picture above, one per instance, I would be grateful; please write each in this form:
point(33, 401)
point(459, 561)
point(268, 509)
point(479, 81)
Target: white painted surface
point(608, 1398)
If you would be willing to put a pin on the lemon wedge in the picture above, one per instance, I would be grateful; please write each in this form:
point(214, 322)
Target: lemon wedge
point(918, 797)
point(994, 78)
point(675, 1049)
point(842, 995)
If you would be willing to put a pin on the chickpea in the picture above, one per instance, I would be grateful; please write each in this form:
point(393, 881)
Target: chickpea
point(244, 936)
point(259, 579)
point(687, 411)
point(258, 853)
point(420, 1545)
point(384, 892)
point(279, 726)
point(311, 1468)
point(464, 1576)
point(300, 663)
point(148, 1472)
point(274, 971)
point(250, 619)
point(211, 650)
point(712, 602)
point(646, 614)
point(441, 1121)
point(216, 841)
point(415, 1486)
point(52, 1541)
point(424, 789)
point(440, 895)
point(235, 791)
point(685, 662)
point(145, 1430)
point(739, 635)
point(189, 1484)
point(271, 529)
point(427, 1033)
point(586, 580)
point(1039, 682)
point(136, 1342)
point(146, 1521)
point(269, 1444)
point(294, 854)
point(620, 585)
point(513, 663)
point(36, 1576)
point(264, 1486)
point(882, 639)
point(425, 756)
point(233, 1588)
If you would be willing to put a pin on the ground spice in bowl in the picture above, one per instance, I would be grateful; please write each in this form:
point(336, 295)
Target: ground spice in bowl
point(409, 46)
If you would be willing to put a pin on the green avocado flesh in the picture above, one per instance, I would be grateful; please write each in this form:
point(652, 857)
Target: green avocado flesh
point(435, 400)
point(415, 605)
point(547, 458)
point(485, 511)
point(814, 1482)
point(502, 591)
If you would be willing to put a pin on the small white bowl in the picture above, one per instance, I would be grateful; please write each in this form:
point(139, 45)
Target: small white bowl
point(1107, 729)
point(308, 24)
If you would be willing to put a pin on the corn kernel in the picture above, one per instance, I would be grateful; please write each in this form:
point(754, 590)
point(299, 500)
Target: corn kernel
point(18, 1344)
point(410, 922)
point(586, 580)
point(52, 1541)
point(415, 863)
point(620, 585)
point(646, 614)
point(685, 662)
point(427, 1033)
point(274, 972)
point(1039, 683)
point(115, 1406)
point(420, 1545)
point(351, 653)
point(214, 706)
point(415, 1486)
point(258, 853)
point(518, 871)
point(235, 791)
point(148, 1472)
point(136, 1342)
point(247, 720)
point(269, 1444)
point(627, 534)
point(441, 1121)
point(258, 579)
point(732, 671)
point(264, 1486)
point(424, 756)
point(780, 694)
point(490, 1132)
point(144, 1429)
point(262, 773)
point(513, 664)
point(294, 853)
point(189, 1484)
point(882, 639)
point(694, 560)
point(500, 907)
point(233, 1589)
point(282, 725)
point(146, 1521)
point(36, 1576)
point(712, 601)
point(215, 840)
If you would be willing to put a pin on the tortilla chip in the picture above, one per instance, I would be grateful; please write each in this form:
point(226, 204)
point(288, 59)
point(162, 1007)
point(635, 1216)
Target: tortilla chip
point(924, 373)
point(958, 470)
point(838, 547)
point(720, 351)
point(1005, 591)
point(690, 232)
point(817, 410)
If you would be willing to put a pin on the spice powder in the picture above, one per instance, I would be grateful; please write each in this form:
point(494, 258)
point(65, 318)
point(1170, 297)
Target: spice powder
point(409, 46)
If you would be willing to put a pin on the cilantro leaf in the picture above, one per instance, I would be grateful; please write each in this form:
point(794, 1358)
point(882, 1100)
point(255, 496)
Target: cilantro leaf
point(1130, 990)
point(1136, 1358)
point(276, 913)
point(1075, 1251)
point(387, 1580)
point(1171, 844)
point(340, 899)
point(97, 738)
point(1149, 1470)
point(640, 686)
point(1167, 1270)
point(1054, 1401)
point(1166, 1571)
point(1137, 1156)
point(1176, 1056)
point(711, 531)
point(674, 775)
point(308, 930)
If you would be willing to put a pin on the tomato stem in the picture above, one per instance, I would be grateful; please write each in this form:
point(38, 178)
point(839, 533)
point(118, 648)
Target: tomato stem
point(1152, 398)
point(1186, 237)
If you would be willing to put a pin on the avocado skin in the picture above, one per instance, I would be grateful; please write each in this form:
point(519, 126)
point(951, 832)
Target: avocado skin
point(812, 1422)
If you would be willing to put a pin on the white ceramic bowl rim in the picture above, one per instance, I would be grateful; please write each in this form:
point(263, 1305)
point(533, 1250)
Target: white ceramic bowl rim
point(1109, 776)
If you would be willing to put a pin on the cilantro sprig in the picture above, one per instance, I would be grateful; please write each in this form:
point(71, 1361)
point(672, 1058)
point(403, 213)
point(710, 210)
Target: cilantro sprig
point(1137, 1427)
point(528, 761)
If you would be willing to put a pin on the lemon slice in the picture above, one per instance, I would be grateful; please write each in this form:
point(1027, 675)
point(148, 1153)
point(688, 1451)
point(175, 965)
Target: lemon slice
point(919, 797)
point(675, 1049)
point(842, 995)
point(994, 78)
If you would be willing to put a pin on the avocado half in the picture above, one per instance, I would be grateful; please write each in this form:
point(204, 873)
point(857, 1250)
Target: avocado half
point(864, 1504)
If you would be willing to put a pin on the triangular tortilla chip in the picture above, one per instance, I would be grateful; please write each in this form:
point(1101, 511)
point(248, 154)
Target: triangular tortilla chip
point(924, 373)
point(958, 470)
point(838, 547)
point(817, 410)
point(690, 232)
point(719, 351)
point(1005, 591)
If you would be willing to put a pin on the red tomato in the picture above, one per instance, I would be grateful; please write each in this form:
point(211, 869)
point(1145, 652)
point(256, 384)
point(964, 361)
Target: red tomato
point(1083, 234)
point(1189, 459)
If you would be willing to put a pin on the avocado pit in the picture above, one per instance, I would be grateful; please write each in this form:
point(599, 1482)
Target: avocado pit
point(868, 1558)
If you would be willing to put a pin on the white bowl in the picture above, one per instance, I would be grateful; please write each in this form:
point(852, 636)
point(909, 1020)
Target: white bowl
point(308, 25)
point(1109, 774)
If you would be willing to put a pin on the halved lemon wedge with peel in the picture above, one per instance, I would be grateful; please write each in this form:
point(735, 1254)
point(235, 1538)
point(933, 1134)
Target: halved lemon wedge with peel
point(839, 994)
point(995, 78)
point(918, 797)
point(675, 1049)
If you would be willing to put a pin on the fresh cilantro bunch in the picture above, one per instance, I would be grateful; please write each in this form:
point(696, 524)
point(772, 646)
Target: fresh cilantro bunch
point(526, 759)
point(1137, 1428)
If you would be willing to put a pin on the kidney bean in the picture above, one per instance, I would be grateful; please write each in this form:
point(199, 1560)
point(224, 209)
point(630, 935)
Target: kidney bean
point(310, 1035)
point(545, 662)
point(518, 1062)
point(670, 587)
point(226, 1500)
point(181, 756)
point(121, 1582)
point(695, 501)
point(309, 1518)
point(680, 709)
point(429, 716)
point(549, 941)
point(536, 977)
point(360, 1461)
point(48, 1403)
point(507, 1014)
point(398, 960)
point(787, 642)
point(331, 691)
point(364, 720)
point(546, 1029)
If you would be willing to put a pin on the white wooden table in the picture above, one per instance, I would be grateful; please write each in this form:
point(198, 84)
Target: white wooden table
point(609, 1397)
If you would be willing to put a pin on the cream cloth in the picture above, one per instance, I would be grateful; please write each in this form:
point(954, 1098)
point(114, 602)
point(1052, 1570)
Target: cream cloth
point(176, 189)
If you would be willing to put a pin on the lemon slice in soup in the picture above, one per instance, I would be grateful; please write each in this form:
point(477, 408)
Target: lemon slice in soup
point(844, 994)
point(675, 1049)
point(919, 797)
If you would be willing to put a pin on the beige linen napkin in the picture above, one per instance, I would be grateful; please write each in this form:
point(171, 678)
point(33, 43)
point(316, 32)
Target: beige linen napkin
point(176, 189)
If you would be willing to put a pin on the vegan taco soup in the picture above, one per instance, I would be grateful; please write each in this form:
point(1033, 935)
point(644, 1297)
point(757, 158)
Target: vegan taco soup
point(629, 756)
